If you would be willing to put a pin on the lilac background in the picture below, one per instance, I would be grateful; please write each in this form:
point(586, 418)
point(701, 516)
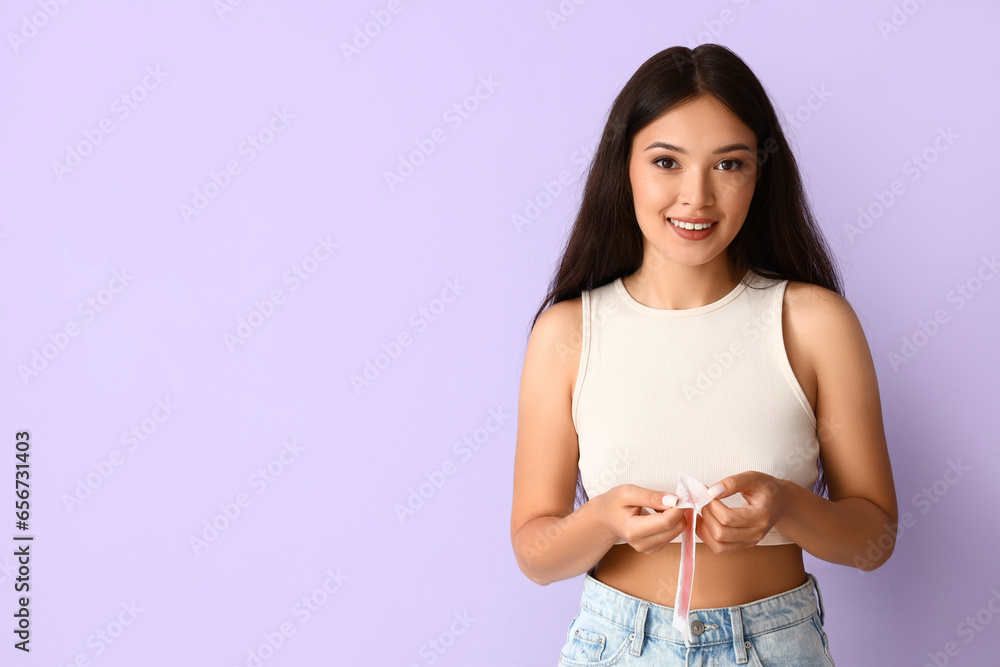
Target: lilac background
point(332, 505)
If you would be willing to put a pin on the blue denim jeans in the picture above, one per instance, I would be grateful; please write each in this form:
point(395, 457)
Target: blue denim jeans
point(614, 628)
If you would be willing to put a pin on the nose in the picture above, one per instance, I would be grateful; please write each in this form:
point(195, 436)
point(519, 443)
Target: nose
point(696, 189)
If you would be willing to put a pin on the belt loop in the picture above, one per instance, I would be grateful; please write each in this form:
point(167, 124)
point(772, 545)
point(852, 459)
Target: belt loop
point(639, 628)
point(736, 620)
point(819, 594)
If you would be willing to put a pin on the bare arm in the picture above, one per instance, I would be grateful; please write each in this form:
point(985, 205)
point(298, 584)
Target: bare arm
point(553, 548)
point(856, 526)
point(551, 541)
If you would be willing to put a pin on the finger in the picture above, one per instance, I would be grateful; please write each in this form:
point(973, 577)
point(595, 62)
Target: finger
point(659, 500)
point(663, 519)
point(677, 529)
point(727, 543)
point(716, 490)
point(748, 481)
point(668, 522)
point(648, 522)
point(708, 538)
point(631, 495)
point(733, 517)
point(673, 520)
point(665, 537)
point(722, 532)
point(707, 535)
point(736, 517)
point(728, 486)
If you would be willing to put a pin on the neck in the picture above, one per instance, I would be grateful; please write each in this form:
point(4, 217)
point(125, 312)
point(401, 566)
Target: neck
point(672, 286)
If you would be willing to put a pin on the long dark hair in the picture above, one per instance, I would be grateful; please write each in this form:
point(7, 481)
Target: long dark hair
point(779, 238)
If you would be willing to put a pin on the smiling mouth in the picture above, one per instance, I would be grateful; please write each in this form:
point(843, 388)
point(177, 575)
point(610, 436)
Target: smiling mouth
point(690, 225)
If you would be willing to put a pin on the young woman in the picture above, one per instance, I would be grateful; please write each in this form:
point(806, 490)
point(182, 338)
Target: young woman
point(696, 327)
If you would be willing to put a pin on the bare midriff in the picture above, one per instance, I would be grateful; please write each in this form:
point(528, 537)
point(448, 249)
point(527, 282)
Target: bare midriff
point(720, 580)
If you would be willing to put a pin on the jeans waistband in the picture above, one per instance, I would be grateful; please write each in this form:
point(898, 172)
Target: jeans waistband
point(717, 625)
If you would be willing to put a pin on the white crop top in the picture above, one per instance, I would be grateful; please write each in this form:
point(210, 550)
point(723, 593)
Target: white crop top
point(706, 391)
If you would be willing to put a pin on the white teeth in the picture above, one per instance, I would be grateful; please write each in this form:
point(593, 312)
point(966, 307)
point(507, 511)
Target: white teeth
point(690, 225)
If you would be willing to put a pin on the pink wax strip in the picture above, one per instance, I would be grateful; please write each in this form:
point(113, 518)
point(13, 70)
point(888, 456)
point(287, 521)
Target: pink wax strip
point(692, 495)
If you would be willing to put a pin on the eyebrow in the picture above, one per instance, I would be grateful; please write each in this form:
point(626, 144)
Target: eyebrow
point(723, 149)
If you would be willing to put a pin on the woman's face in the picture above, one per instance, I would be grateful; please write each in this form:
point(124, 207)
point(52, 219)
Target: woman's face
point(696, 163)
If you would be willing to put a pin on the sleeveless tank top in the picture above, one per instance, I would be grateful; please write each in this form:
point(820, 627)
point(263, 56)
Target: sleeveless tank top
point(705, 391)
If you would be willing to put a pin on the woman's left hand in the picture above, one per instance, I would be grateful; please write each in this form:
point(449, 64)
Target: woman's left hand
point(726, 529)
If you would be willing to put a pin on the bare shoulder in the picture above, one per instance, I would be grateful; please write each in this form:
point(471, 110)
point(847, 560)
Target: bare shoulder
point(848, 407)
point(821, 315)
point(556, 339)
point(562, 314)
point(819, 328)
point(812, 297)
point(546, 451)
point(828, 340)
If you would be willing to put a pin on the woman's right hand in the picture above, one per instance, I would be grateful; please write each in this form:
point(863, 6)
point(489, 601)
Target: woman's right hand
point(622, 512)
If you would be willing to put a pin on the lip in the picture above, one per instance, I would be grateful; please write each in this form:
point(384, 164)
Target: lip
point(692, 234)
point(691, 220)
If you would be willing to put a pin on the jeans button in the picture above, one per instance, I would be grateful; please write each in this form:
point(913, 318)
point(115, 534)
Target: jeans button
point(697, 627)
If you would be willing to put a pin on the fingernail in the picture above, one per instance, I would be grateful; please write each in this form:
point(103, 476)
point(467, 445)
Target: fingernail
point(670, 500)
point(716, 491)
